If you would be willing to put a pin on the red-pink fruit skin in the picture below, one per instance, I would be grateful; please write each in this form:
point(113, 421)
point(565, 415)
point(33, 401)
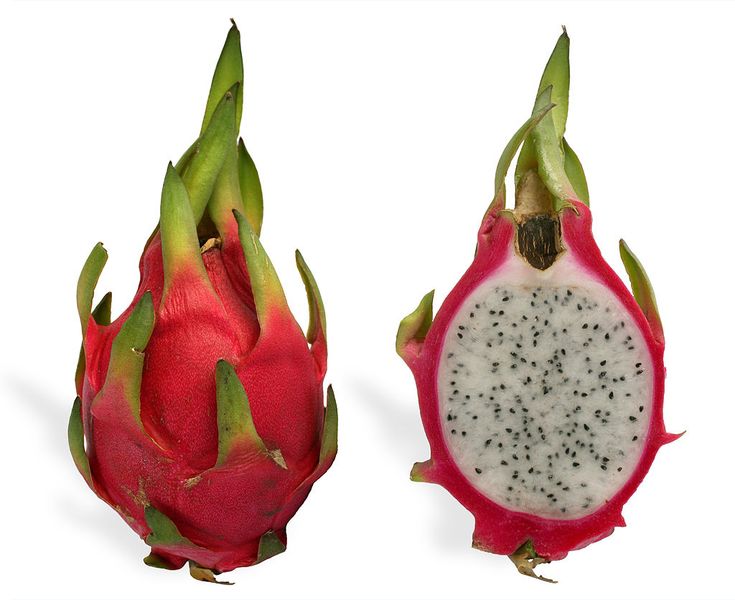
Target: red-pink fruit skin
point(498, 529)
point(167, 460)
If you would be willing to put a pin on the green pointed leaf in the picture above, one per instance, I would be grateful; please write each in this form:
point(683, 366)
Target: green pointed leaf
point(267, 290)
point(549, 156)
point(414, 327)
point(183, 163)
point(158, 562)
point(79, 373)
point(227, 73)
point(642, 290)
point(329, 433)
point(574, 171)
point(126, 356)
point(234, 420)
point(75, 434)
point(509, 153)
point(163, 530)
point(420, 472)
point(250, 189)
point(269, 546)
point(179, 240)
point(88, 281)
point(226, 195)
point(101, 315)
point(556, 75)
point(317, 315)
point(213, 145)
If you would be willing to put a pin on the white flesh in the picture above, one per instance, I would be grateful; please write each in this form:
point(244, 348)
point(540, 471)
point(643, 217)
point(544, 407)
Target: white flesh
point(556, 429)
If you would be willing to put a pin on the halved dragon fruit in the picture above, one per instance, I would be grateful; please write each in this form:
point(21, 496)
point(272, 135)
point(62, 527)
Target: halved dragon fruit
point(200, 414)
point(541, 378)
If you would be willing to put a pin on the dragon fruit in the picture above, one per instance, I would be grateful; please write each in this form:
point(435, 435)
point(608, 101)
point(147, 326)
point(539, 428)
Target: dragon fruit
point(541, 378)
point(200, 413)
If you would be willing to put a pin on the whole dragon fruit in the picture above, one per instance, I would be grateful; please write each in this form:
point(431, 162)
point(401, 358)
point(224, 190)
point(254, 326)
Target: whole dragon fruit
point(541, 378)
point(200, 414)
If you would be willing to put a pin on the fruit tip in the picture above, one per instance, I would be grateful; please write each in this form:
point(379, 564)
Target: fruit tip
point(234, 25)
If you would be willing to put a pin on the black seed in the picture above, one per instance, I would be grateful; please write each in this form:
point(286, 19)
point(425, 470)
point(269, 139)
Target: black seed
point(478, 470)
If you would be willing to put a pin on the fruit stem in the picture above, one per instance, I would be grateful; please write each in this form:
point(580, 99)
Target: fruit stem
point(526, 560)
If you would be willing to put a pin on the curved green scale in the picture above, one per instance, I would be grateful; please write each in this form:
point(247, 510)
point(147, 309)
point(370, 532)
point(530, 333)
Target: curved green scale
point(75, 435)
point(158, 562)
point(269, 546)
point(228, 72)
point(216, 141)
point(267, 290)
point(179, 240)
point(87, 282)
point(549, 156)
point(414, 327)
point(328, 448)
point(509, 152)
point(183, 163)
point(642, 290)
point(163, 530)
point(556, 75)
point(420, 472)
point(317, 315)
point(101, 314)
point(575, 173)
point(126, 357)
point(234, 420)
point(250, 189)
point(226, 195)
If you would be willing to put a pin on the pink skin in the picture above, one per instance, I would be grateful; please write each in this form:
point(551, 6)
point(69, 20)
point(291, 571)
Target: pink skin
point(498, 529)
point(169, 460)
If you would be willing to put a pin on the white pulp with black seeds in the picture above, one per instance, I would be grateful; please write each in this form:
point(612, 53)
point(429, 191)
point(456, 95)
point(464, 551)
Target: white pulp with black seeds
point(545, 388)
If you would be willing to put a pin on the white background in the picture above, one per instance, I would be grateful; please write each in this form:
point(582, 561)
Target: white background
point(376, 129)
